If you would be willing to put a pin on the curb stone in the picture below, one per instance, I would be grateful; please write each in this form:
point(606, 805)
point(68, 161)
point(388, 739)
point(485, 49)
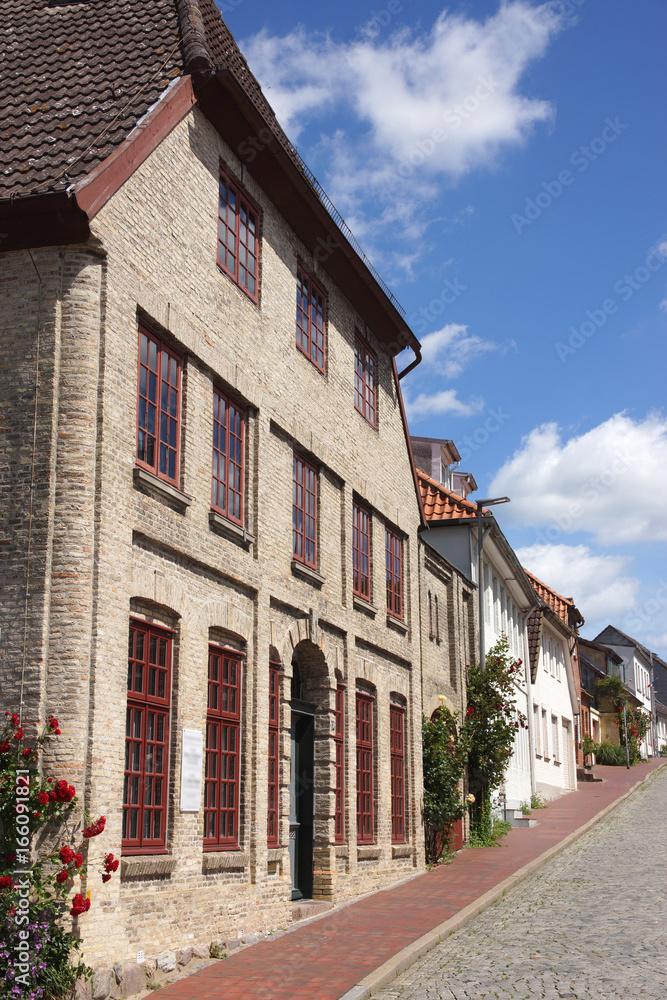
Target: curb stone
point(403, 959)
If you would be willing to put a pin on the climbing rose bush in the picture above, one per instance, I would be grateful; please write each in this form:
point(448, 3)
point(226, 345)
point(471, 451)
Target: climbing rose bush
point(38, 954)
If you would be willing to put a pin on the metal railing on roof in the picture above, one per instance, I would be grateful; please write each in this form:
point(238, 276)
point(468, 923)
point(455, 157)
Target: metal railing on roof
point(344, 228)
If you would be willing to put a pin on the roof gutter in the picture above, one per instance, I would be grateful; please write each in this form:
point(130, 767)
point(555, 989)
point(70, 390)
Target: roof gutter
point(413, 364)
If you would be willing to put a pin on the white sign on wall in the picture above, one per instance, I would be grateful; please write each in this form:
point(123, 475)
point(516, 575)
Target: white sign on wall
point(191, 765)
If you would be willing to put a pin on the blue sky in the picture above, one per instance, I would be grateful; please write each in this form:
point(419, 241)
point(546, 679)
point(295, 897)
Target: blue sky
point(503, 166)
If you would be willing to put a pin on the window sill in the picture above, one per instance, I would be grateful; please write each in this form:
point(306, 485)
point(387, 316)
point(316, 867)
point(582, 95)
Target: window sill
point(151, 482)
point(221, 860)
point(146, 866)
point(341, 851)
point(234, 532)
point(370, 853)
point(275, 853)
point(307, 573)
point(361, 604)
point(397, 623)
point(401, 851)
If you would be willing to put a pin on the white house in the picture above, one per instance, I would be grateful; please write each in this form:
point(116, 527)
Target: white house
point(554, 702)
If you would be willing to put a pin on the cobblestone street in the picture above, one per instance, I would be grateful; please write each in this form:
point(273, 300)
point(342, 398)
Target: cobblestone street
point(590, 925)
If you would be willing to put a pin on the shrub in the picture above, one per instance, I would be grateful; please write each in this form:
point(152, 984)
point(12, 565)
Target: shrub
point(610, 754)
point(444, 760)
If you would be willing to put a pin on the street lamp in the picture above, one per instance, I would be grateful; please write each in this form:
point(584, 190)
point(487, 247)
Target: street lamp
point(480, 583)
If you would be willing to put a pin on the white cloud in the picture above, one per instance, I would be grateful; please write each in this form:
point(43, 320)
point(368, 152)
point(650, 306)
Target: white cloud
point(610, 481)
point(596, 583)
point(420, 105)
point(438, 403)
point(452, 348)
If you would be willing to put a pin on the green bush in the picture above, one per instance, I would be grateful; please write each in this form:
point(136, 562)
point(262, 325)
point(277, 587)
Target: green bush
point(610, 754)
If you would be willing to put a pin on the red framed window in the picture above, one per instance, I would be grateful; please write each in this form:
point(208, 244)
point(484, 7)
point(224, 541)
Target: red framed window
point(339, 743)
point(361, 552)
point(310, 318)
point(223, 742)
point(146, 739)
point(397, 749)
point(364, 769)
point(394, 559)
point(304, 512)
point(365, 376)
point(158, 407)
point(238, 237)
point(228, 429)
point(274, 755)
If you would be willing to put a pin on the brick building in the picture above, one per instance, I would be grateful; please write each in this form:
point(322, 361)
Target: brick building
point(210, 515)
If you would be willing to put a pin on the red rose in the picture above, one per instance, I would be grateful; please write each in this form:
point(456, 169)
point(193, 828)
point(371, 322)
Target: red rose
point(105, 878)
point(10, 858)
point(52, 796)
point(18, 735)
point(15, 719)
point(53, 722)
point(62, 876)
point(78, 860)
point(79, 905)
point(95, 828)
point(43, 798)
point(5, 882)
point(4, 747)
point(66, 854)
point(57, 732)
point(110, 863)
point(37, 815)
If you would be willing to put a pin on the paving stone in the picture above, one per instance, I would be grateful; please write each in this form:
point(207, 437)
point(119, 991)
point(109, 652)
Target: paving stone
point(544, 941)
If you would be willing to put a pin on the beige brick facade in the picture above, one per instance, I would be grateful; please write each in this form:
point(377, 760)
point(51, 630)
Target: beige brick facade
point(108, 543)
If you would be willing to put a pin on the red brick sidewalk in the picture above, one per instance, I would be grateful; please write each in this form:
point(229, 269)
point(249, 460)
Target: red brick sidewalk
point(325, 958)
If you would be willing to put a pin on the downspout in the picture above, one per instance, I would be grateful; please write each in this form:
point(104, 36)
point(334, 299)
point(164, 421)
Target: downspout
point(529, 699)
point(413, 364)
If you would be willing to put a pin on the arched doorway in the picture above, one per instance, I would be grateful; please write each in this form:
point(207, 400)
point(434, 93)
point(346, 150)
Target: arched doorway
point(311, 749)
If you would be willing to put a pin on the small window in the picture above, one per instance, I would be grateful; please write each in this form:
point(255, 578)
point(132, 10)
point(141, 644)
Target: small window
point(339, 744)
point(238, 237)
point(365, 376)
point(146, 739)
point(430, 616)
point(304, 512)
point(158, 407)
point(310, 319)
point(437, 618)
point(364, 769)
point(223, 745)
point(227, 485)
point(397, 741)
point(394, 559)
point(274, 755)
point(361, 552)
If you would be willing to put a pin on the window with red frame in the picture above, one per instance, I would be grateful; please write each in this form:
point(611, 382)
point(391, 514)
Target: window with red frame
point(304, 512)
point(397, 749)
point(394, 553)
point(238, 236)
point(310, 306)
point(146, 739)
point(227, 489)
point(223, 741)
point(365, 368)
point(158, 407)
point(339, 744)
point(364, 769)
point(274, 755)
point(361, 552)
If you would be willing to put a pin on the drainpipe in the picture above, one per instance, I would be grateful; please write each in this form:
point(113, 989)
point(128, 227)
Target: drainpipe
point(529, 698)
point(413, 364)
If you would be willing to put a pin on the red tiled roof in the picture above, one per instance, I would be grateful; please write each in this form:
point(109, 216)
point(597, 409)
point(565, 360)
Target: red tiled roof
point(441, 504)
point(558, 604)
point(70, 71)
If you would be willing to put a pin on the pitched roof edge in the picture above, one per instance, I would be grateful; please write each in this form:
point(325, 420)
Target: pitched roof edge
point(196, 53)
point(95, 189)
point(404, 420)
